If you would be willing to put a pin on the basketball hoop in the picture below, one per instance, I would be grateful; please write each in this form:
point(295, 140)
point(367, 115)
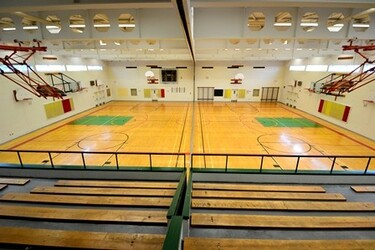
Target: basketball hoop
point(237, 79)
point(29, 80)
point(151, 77)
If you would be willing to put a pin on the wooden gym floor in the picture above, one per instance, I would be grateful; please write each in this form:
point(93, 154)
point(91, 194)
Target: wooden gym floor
point(201, 127)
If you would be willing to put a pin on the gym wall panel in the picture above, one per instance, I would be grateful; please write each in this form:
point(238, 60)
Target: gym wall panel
point(122, 92)
point(334, 109)
point(228, 93)
point(59, 107)
point(241, 93)
point(147, 93)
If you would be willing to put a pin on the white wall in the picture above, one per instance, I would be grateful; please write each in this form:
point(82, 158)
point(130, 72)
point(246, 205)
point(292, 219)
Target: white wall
point(19, 118)
point(124, 79)
point(361, 119)
point(219, 77)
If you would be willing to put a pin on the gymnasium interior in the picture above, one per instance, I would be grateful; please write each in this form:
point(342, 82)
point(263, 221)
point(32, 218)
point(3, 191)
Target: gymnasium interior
point(187, 124)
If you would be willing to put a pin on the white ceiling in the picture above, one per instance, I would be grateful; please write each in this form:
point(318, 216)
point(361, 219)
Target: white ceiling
point(216, 30)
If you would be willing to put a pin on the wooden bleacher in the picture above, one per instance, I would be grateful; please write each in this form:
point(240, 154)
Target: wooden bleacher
point(259, 187)
point(229, 207)
point(283, 205)
point(104, 191)
point(84, 215)
point(267, 195)
point(2, 186)
point(191, 243)
point(79, 239)
point(363, 189)
point(77, 199)
point(88, 200)
point(279, 221)
point(13, 181)
point(117, 184)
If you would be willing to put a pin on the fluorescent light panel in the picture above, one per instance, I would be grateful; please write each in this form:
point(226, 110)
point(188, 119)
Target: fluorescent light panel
point(30, 27)
point(282, 24)
point(78, 26)
point(361, 25)
point(309, 24)
point(9, 29)
point(317, 68)
point(102, 25)
point(126, 25)
point(297, 68)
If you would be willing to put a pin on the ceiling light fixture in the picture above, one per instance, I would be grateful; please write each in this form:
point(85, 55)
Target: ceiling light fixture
point(33, 27)
point(361, 25)
point(9, 29)
point(102, 43)
point(78, 26)
point(309, 24)
point(282, 24)
point(126, 25)
point(102, 25)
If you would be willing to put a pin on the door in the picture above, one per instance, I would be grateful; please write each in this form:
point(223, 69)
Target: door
point(270, 94)
point(154, 94)
point(234, 95)
point(205, 93)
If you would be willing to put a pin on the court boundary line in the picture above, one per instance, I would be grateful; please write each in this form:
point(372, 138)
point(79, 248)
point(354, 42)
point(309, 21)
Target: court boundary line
point(344, 135)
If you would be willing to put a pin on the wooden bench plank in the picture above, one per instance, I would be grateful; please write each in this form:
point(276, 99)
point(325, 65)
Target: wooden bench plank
point(283, 205)
point(91, 215)
point(276, 221)
point(79, 239)
point(13, 181)
point(87, 200)
point(191, 243)
point(267, 195)
point(118, 184)
point(105, 191)
point(364, 189)
point(2, 186)
point(259, 187)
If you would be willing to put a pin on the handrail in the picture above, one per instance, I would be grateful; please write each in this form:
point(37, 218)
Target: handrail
point(187, 200)
point(178, 197)
point(296, 170)
point(84, 153)
point(173, 236)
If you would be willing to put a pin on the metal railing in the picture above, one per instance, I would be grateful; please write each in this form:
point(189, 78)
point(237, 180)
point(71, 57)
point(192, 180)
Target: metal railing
point(295, 160)
point(83, 155)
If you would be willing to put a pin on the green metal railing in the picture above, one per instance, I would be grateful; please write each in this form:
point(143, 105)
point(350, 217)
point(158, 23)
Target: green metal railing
point(332, 166)
point(19, 158)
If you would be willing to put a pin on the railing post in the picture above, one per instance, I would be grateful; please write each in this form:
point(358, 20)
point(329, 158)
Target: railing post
point(83, 160)
point(150, 160)
point(184, 161)
point(333, 164)
point(116, 161)
point(19, 158)
point(261, 164)
point(226, 163)
point(368, 164)
point(50, 159)
point(295, 171)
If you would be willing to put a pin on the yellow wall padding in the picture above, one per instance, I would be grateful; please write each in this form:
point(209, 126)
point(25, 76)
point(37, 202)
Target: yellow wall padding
point(53, 109)
point(228, 93)
point(147, 93)
point(241, 93)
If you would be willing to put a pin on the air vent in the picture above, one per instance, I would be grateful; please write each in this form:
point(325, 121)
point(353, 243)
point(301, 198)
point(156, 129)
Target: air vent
point(131, 67)
point(49, 57)
point(152, 65)
point(207, 67)
point(182, 67)
point(259, 67)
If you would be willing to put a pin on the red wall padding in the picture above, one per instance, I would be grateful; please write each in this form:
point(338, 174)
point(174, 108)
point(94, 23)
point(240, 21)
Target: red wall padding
point(66, 105)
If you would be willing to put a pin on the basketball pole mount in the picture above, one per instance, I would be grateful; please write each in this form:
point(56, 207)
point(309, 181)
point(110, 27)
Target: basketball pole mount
point(352, 81)
point(29, 80)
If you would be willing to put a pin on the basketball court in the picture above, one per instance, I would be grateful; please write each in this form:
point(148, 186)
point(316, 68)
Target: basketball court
point(202, 127)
